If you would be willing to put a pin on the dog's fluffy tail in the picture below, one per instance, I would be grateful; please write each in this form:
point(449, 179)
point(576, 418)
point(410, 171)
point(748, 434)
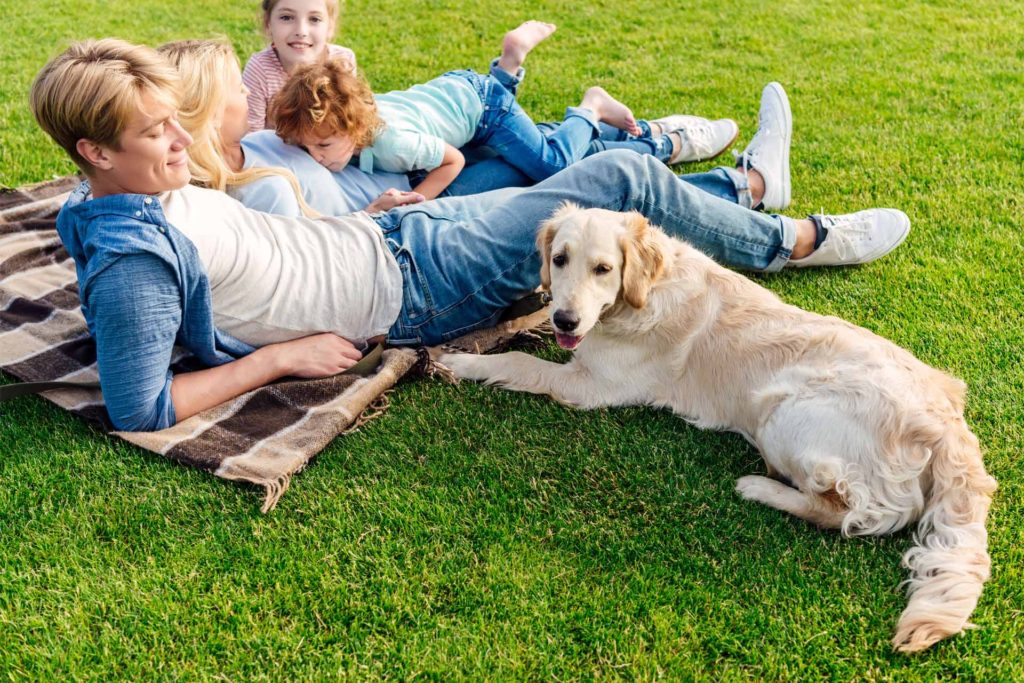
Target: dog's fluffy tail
point(949, 562)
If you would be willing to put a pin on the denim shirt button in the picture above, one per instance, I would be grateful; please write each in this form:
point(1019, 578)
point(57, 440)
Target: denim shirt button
point(147, 200)
point(138, 213)
point(162, 229)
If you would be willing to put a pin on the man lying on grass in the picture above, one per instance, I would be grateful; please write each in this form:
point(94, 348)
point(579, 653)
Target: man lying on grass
point(256, 297)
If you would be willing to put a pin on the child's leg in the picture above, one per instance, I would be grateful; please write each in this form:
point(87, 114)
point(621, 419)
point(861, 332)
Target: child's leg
point(509, 81)
point(613, 134)
point(610, 137)
point(514, 47)
point(699, 139)
point(609, 110)
point(542, 152)
point(508, 130)
point(492, 174)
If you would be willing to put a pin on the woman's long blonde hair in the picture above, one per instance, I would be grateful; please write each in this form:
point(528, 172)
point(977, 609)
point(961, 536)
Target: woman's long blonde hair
point(204, 66)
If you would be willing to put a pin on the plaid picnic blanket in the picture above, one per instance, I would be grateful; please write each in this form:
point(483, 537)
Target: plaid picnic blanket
point(262, 437)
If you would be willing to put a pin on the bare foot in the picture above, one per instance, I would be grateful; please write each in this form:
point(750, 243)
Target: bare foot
point(519, 41)
point(609, 110)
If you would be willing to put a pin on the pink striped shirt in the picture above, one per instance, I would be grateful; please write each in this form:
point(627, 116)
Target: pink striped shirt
point(264, 77)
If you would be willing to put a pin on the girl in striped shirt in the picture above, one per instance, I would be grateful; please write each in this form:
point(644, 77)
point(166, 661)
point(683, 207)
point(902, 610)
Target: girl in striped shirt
point(299, 31)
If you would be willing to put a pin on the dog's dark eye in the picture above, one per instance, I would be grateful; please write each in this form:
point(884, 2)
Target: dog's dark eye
point(560, 260)
point(602, 268)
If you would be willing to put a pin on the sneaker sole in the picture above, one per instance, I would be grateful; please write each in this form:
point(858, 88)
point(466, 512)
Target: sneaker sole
point(784, 99)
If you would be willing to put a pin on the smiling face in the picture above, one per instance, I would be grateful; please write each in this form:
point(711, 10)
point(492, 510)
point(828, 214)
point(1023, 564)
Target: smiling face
point(150, 156)
point(332, 151)
point(299, 31)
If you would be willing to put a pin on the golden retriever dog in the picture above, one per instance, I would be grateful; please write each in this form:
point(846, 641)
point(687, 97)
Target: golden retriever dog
point(856, 433)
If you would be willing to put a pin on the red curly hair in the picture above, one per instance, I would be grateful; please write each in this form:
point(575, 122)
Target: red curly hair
point(326, 99)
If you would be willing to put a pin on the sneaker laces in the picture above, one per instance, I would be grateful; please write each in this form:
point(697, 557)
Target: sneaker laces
point(749, 158)
point(700, 136)
point(843, 233)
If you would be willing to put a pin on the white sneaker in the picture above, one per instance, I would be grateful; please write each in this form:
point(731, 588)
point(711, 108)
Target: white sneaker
point(857, 238)
point(700, 138)
point(768, 151)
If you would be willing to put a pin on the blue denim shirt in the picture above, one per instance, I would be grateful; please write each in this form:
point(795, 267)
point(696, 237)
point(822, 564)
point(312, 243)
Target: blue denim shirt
point(143, 289)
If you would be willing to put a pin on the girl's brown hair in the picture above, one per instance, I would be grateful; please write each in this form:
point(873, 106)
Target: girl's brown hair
point(326, 99)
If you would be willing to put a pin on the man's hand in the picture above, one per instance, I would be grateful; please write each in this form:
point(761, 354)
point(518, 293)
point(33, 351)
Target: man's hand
point(392, 198)
point(319, 355)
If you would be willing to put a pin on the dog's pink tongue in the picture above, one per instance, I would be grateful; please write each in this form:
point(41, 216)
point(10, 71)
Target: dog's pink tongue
point(567, 341)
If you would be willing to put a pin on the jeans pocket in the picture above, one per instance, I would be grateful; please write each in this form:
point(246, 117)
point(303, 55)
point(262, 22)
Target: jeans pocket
point(417, 304)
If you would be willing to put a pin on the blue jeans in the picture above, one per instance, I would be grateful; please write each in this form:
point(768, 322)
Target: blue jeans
point(608, 137)
point(465, 259)
point(725, 182)
point(494, 174)
point(508, 130)
point(613, 138)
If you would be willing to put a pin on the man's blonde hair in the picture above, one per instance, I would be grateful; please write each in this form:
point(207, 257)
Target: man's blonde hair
point(204, 67)
point(93, 89)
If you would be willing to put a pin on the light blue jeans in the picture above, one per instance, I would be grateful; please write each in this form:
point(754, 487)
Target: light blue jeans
point(508, 130)
point(608, 137)
point(495, 173)
point(465, 259)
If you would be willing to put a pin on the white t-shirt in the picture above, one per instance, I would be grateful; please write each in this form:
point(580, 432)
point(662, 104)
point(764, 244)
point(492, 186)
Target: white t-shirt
point(276, 278)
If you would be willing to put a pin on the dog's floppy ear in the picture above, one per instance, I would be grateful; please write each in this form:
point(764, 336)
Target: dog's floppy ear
point(642, 260)
point(546, 235)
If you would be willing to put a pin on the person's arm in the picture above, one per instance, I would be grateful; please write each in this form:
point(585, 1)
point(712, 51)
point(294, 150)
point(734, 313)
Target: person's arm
point(441, 177)
point(136, 312)
point(349, 56)
point(320, 355)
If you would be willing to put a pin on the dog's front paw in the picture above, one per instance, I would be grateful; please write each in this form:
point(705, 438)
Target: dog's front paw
point(465, 365)
point(754, 487)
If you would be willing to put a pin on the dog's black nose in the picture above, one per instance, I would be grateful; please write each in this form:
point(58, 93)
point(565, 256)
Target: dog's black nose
point(566, 321)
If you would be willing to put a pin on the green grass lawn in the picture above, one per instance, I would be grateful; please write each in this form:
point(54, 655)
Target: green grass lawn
point(471, 533)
